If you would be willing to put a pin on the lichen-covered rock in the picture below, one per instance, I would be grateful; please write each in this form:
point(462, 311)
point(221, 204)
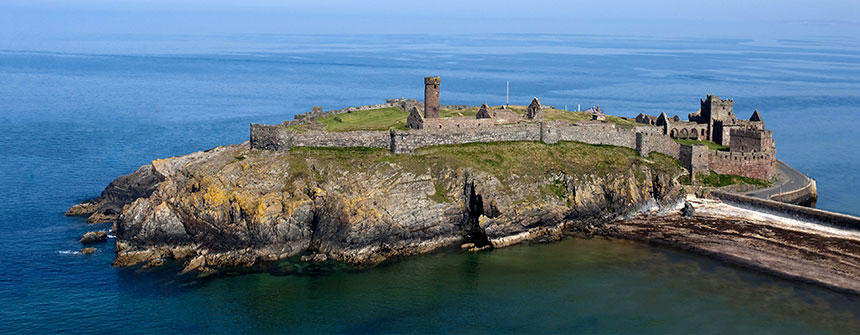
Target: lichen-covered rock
point(235, 207)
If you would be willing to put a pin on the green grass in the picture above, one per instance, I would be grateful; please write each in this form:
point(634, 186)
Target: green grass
point(709, 144)
point(374, 119)
point(714, 179)
point(557, 188)
point(392, 117)
point(528, 161)
point(562, 115)
point(441, 194)
point(501, 158)
point(471, 112)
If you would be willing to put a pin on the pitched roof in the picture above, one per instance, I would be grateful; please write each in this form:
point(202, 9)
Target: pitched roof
point(484, 112)
point(755, 116)
point(662, 119)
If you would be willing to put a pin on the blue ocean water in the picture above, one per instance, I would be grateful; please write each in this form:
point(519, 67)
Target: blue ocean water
point(78, 111)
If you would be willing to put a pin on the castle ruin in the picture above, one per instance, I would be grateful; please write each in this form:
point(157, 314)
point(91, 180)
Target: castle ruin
point(750, 148)
point(431, 97)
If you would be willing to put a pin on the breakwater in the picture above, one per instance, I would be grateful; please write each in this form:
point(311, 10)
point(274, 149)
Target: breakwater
point(789, 210)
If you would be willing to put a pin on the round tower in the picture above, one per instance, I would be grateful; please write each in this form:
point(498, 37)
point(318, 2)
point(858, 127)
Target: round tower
point(431, 97)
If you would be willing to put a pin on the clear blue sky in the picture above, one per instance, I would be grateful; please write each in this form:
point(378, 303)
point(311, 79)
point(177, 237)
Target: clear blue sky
point(673, 18)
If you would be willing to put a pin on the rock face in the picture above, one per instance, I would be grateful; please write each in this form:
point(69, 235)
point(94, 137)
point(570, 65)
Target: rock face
point(94, 237)
point(234, 207)
point(120, 192)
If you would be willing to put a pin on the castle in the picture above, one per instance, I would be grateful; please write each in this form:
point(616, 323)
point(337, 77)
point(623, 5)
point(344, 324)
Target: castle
point(716, 122)
point(749, 152)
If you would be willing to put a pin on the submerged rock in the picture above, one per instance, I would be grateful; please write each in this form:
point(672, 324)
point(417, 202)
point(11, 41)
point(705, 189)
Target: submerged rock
point(154, 263)
point(315, 258)
point(94, 237)
point(88, 251)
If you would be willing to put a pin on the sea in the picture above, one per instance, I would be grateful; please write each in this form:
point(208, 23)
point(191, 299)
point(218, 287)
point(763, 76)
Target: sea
point(78, 111)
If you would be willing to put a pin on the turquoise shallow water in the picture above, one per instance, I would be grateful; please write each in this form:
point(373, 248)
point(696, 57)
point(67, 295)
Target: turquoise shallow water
point(77, 112)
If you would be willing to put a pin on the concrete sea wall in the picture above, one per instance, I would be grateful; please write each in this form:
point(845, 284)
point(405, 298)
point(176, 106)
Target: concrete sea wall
point(805, 195)
point(789, 210)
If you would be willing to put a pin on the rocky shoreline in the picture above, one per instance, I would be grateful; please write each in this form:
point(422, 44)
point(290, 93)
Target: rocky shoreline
point(233, 207)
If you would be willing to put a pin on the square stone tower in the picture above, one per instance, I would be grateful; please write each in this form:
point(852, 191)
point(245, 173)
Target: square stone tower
point(431, 97)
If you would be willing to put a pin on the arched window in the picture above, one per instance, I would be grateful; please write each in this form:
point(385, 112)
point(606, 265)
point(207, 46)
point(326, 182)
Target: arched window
point(674, 133)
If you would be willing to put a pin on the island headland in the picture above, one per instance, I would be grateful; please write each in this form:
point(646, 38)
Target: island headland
point(364, 184)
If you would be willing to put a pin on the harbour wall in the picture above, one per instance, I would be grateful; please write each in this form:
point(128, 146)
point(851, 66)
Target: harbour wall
point(792, 211)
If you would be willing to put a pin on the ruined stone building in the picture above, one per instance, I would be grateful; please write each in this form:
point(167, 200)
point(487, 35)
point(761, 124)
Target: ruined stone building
point(750, 148)
point(715, 121)
point(534, 111)
point(484, 118)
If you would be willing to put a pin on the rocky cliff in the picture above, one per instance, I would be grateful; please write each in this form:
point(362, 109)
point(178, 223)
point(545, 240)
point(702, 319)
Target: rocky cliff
point(234, 206)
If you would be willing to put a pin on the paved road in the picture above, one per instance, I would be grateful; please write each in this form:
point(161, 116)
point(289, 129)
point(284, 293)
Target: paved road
point(789, 179)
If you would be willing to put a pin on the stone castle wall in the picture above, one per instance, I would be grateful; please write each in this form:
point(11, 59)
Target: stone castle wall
point(589, 132)
point(407, 141)
point(457, 122)
point(745, 140)
point(649, 142)
point(278, 138)
point(761, 165)
point(697, 159)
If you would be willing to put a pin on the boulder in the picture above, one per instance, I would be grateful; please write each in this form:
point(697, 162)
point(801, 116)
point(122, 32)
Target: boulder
point(688, 210)
point(94, 237)
point(315, 258)
point(196, 263)
point(154, 263)
point(87, 251)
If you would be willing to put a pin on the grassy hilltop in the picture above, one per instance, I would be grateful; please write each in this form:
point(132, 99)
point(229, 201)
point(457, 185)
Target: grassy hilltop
point(598, 157)
point(393, 117)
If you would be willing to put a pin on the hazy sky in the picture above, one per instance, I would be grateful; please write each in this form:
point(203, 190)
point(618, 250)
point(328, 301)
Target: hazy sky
point(675, 18)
